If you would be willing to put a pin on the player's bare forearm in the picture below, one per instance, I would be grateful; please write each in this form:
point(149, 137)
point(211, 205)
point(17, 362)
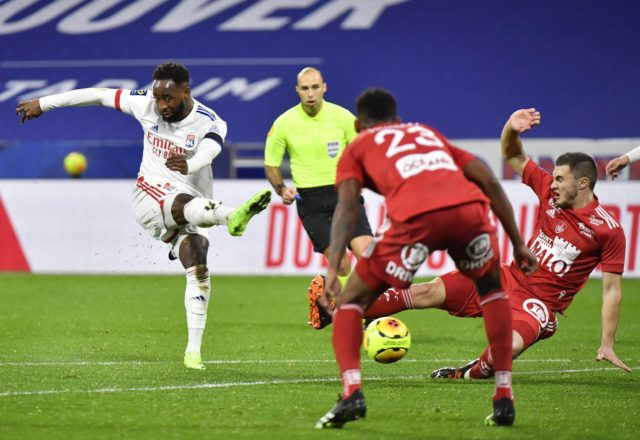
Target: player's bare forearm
point(479, 174)
point(512, 150)
point(611, 300)
point(519, 122)
point(503, 210)
point(526, 260)
point(288, 194)
point(274, 176)
point(344, 221)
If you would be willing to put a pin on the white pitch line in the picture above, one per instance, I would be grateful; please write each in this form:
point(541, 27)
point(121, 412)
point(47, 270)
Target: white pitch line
point(584, 370)
point(175, 387)
point(48, 64)
point(261, 382)
point(241, 361)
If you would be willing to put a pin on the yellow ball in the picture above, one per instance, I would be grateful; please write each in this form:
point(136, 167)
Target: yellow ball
point(75, 164)
point(386, 340)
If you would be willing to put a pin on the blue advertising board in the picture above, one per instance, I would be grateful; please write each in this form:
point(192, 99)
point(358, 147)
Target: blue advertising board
point(460, 65)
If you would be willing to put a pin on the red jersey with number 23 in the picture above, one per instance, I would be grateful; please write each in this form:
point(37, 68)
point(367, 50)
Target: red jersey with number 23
point(412, 165)
point(569, 244)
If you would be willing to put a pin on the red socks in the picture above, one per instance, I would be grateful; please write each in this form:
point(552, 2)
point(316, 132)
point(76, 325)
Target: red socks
point(389, 303)
point(347, 338)
point(499, 356)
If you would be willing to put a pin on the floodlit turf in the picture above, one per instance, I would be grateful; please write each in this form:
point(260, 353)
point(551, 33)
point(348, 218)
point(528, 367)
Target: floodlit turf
point(100, 357)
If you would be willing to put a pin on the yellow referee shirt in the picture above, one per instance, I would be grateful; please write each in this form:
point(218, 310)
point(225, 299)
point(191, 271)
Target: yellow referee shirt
point(314, 143)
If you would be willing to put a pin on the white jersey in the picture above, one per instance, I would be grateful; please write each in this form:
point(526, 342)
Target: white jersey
point(161, 137)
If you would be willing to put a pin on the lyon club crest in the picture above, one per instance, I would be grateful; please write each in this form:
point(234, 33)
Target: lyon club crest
point(191, 141)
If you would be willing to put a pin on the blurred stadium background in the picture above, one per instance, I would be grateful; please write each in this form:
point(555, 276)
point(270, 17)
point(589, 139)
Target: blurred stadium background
point(462, 66)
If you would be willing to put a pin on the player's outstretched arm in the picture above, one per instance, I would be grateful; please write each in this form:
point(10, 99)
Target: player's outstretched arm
point(621, 162)
point(611, 298)
point(74, 98)
point(479, 174)
point(519, 122)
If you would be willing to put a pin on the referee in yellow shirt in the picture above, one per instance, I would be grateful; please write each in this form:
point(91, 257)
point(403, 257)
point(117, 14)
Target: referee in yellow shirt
point(314, 133)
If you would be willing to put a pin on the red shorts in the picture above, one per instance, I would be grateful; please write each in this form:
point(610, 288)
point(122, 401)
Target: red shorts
point(532, 317)
point(400, 248)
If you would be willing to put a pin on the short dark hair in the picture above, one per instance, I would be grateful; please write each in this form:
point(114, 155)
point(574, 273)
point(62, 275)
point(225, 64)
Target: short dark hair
point(172, 71)
point(376, 104)
point(581, 165)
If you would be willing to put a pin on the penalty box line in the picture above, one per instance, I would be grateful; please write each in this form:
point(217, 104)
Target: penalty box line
point(113, 390)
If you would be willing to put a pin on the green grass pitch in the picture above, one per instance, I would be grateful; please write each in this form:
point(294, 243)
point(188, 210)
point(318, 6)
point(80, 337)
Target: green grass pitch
point(100, 357)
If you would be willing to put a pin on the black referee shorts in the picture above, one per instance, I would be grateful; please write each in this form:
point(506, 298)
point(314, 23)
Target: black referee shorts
point(315, 210)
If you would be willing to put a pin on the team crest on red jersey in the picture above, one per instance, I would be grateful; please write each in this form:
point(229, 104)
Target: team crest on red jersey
point(413, 255)
point(561, 227)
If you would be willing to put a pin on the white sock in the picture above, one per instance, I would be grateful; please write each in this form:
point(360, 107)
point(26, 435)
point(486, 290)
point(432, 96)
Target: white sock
point(206, 213)
point(196, 302)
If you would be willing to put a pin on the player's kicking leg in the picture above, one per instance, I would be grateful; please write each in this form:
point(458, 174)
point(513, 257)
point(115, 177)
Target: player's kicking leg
point(206, 213)
point(392, 301)
point(241, 216)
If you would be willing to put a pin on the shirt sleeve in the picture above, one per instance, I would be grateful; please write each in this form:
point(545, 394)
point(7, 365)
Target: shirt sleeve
point(460, 156)
point(613, 252)
point(79, 98)
point(208, 149)
point(217, 132)
point(275, 146)
point(350, 127)
point(537, 179)
point(132, 102)
point(349, 166)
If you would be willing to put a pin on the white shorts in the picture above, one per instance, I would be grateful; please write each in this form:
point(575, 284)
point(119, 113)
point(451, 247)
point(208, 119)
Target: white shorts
point(150, 212)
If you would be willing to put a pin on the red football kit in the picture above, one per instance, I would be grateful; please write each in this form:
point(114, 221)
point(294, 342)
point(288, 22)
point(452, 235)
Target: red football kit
point(430, 203)
point(569, 244)
point(430, 206)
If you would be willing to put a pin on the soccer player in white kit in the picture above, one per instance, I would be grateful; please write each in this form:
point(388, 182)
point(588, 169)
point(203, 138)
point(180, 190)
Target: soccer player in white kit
point(172, 198)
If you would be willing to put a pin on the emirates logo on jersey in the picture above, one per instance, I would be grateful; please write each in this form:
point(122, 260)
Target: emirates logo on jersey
point(555, 254)
point(560, 227)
